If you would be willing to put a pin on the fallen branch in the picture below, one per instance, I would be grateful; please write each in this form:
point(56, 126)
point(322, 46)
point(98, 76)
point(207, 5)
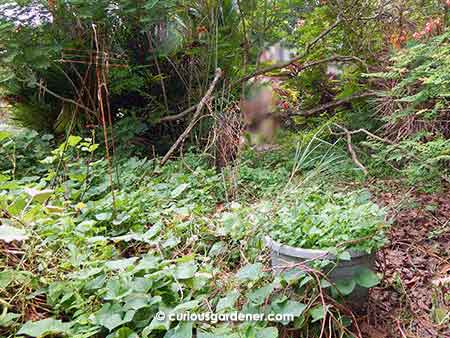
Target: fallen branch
point(305, 66)
point(290, 62)
point(395, 145)
point(333, 104)
point(178, 116)
point(191, 125)
point(368, 133)
point(400, 329)
point(352, 151)
point(339, 58)
point(65, 99)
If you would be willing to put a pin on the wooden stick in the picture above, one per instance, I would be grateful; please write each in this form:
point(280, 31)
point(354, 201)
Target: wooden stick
point(198, 111)
point(178, 116)
point(333, 104)
point(301, 56)
point(65, 99)
point(352, 151)
point(339, 58)
point(395, 145)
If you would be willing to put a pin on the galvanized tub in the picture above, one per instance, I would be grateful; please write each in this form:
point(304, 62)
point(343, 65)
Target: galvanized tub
point(283, 255)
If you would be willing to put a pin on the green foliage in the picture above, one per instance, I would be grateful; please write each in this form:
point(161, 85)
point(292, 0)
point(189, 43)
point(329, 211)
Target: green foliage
point(159, 244)
point(302, 158)
point(417, 119)
point(21, 151)
point(110, 243)
point(422, 80)
point(263, 179)
point(160, 56)
point(45, 327)
point(422, 163)
point(323, 220)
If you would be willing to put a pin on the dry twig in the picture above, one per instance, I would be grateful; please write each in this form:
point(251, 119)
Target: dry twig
point(395, 145)
point(294, 60)
point(351, 150)
point(191, 125)
point(333, 104)
point(178, 116)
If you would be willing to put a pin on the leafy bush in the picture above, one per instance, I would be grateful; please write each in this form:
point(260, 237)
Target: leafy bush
point(419, 98)
point(52, 45)
point(423, 164)
point(21, 150)
point(415, 113)
point(321, 220)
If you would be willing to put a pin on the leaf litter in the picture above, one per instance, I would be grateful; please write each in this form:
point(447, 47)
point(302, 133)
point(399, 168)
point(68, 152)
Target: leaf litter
point(415, 261)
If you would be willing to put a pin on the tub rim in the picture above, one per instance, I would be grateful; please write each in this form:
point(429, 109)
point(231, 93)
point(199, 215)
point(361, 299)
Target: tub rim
point(283, 249)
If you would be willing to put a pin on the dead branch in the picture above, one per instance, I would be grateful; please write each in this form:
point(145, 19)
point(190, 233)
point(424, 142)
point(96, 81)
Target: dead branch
point(353, 154)
point(102, 94)
point(44, 88)
point(333, 104)
point(178, 116)
point(368, 133)
point(339, 58)
point(298, 58)
point(352, 151)
point(161, 78)
point(305, 66)
point(191, 125)
point(395, 145)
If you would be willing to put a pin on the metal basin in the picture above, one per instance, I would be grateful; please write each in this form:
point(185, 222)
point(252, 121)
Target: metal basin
point(283, 256)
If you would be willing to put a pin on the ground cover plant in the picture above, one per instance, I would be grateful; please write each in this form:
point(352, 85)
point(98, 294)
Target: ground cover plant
point(149, 148)
point(146, 248)
point(322, 220)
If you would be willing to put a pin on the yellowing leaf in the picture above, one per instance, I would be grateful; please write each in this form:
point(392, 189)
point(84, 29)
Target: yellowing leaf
point(39, 195)
point(54, 209)
point(9, 234)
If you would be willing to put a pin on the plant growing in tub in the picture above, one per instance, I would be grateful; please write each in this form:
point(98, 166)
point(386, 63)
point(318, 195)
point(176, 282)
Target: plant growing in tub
point(341, 231)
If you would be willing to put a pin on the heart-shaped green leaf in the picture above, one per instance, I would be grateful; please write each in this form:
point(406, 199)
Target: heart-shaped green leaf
point(366, 277)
